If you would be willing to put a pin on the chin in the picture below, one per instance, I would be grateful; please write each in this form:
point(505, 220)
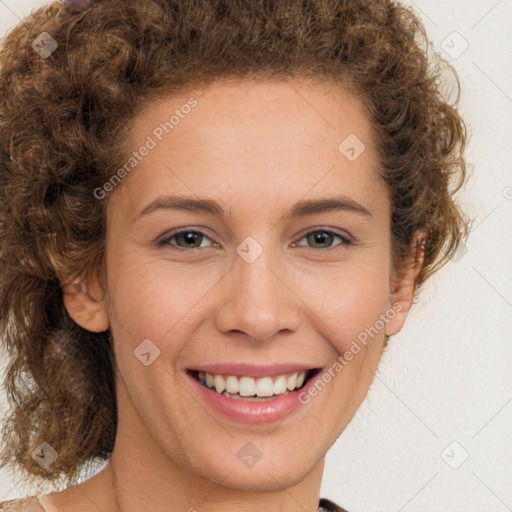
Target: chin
point(269, 473)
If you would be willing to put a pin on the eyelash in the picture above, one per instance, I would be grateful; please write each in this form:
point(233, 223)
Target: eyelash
point(166, 241)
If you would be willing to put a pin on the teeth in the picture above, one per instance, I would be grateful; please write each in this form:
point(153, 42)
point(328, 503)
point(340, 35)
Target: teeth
point(292, 382)
point(219, 383)
point(280, 385)
point(264, 386)
point(230, 385)
point(246, 386)
point(238, 397)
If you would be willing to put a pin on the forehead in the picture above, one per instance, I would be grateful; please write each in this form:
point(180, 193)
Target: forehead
point(294, 109)
point(255, 137)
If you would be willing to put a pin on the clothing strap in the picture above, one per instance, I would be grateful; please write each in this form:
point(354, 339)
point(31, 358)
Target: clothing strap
point(329, 506)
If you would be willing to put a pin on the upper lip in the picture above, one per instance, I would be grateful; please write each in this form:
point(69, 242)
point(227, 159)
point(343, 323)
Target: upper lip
point(252, 369)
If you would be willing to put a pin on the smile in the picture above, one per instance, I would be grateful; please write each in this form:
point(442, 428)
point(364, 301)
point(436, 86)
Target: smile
point(249, 388)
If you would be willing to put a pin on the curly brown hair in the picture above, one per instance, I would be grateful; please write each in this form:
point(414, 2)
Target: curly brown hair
point(64, 120)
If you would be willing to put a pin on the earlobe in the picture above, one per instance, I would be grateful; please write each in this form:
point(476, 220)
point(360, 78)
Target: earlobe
point(84, 308)
point(403, 288)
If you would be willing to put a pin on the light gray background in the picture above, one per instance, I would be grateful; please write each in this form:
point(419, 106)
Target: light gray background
point(444, 388)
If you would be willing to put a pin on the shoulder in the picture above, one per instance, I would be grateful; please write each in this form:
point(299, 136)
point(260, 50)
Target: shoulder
point(30, 504)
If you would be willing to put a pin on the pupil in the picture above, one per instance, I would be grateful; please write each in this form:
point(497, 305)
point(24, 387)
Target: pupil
point(189, 237)
point(319, 236)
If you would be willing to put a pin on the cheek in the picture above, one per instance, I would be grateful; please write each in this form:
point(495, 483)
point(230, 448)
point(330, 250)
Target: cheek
point(154, 299)
point(350, 302)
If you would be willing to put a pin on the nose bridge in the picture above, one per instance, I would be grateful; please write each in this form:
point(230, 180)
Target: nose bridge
point(257, 302)
point(255, 279)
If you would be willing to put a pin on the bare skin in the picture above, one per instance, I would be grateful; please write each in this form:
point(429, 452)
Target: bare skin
point(257, 149)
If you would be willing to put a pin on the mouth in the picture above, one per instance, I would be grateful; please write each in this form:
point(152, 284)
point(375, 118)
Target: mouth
point(254, 389)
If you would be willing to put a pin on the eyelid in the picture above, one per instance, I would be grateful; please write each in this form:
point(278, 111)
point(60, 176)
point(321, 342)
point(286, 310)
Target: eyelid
point(345, 237)
point(164, 239)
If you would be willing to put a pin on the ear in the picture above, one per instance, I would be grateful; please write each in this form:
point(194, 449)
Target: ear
point(86, 305)
point(402, 287)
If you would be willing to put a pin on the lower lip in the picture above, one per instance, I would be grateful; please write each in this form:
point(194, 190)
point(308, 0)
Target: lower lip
point(249, 411)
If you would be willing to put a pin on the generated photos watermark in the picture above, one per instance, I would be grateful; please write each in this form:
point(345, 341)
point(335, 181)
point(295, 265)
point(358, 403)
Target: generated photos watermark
point(137, 156)
point(343, 359)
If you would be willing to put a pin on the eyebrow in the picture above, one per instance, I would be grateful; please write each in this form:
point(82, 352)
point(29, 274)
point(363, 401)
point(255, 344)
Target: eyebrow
point(301, 208)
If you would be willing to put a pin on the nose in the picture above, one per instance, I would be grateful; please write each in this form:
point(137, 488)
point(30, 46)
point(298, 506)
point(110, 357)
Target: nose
point(257, 299)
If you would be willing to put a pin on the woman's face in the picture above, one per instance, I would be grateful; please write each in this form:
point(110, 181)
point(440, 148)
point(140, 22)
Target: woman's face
point(268, 281)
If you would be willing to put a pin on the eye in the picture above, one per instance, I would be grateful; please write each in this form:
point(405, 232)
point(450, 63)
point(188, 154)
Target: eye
point(186, 236)
point(191, 239)
point(323, 237)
